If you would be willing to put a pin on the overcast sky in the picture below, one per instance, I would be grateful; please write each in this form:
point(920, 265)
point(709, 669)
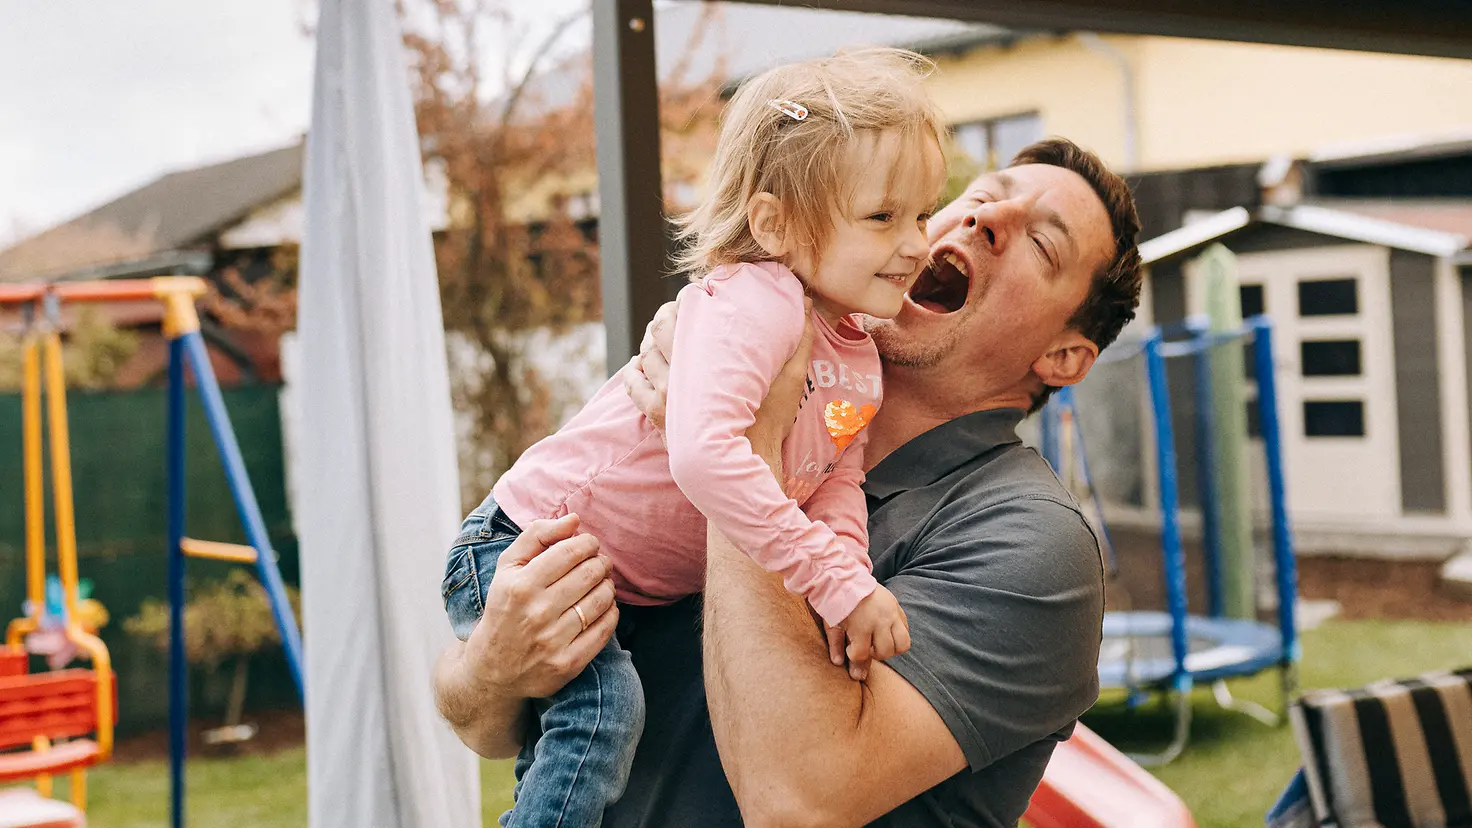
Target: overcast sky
point(100, 96)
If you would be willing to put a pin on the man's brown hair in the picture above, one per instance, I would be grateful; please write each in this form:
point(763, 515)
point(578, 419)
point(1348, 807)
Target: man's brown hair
point(1115, 290)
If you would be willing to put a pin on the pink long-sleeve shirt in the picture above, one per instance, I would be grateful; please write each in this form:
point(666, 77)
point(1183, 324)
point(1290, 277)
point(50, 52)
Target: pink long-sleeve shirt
point(647, 496)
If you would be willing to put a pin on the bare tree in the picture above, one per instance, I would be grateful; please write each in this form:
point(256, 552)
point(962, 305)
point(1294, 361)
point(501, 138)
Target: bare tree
point(504, 273)
point(265, 305)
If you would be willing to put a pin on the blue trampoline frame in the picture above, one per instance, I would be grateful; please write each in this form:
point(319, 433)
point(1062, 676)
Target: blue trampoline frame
point(1243, 647)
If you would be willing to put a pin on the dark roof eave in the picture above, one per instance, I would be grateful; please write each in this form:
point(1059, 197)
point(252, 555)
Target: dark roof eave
point(178, 262)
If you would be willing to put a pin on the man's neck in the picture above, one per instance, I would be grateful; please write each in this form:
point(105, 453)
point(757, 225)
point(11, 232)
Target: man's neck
point(911, 408)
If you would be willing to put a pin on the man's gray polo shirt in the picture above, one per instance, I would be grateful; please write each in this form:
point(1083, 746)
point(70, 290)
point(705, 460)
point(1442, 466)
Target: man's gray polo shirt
point(1001, 580)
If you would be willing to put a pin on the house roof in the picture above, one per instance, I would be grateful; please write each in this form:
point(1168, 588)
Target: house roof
point(1389, 229)
point(1450, 215)
point(1393, 149)
point(178, 210)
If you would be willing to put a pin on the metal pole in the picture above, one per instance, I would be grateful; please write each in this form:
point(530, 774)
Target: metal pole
point(1272, 440)
point(34, 477)
point(631, 226)
point(1170, 541)
point(178, 668)
point(245, 499)
point(62, 505)
point(1165, 451)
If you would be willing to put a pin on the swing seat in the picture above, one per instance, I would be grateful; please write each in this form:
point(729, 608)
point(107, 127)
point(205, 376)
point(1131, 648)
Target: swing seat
point(12, 662)
point(24, 808)
point(40, 709)
point(78, 753)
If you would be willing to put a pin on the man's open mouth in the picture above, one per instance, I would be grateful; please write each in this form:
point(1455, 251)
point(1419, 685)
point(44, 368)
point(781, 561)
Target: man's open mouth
point(942, 287)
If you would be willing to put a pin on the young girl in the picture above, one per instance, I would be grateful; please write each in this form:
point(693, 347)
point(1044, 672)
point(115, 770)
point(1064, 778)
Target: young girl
point(824, 176)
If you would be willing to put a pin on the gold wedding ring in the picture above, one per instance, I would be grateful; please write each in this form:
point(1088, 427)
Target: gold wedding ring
point(583, 619)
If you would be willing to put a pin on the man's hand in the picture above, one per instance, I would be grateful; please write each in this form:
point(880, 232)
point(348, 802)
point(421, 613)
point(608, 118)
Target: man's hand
point(877, 629)
point(550, 609)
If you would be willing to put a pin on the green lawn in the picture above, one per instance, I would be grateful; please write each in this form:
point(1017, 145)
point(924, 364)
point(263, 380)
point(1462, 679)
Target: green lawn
point(1229, 775)
point(247, 792)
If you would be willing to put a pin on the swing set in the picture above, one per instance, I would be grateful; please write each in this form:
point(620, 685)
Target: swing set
point(61, 721)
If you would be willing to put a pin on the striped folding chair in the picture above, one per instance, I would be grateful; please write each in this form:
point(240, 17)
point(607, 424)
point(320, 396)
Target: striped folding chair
point(1393, 754)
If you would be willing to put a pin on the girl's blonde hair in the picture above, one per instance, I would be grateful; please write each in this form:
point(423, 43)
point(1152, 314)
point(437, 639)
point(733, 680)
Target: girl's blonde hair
point(803, 162)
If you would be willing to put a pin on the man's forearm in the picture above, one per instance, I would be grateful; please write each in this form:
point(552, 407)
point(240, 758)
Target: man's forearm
point(782, 713)
point(489, 723)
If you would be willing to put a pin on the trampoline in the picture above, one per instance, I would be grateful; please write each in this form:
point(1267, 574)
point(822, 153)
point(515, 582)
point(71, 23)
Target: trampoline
point(1137, 648)
point(1169, 652)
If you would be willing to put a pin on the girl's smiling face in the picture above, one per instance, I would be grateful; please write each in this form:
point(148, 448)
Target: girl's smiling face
point(878, 243)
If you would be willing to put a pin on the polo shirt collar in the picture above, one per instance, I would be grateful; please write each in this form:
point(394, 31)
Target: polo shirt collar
point(943, 449)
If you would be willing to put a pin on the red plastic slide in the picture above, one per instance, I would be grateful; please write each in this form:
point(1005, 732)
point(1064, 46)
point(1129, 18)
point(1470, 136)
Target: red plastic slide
point(1089, 784)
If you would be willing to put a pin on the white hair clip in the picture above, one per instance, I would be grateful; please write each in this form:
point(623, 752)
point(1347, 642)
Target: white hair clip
point(795, 111)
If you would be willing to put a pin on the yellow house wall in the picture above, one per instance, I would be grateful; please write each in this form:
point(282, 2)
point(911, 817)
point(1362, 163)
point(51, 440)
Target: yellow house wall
point(1078, 92)
point(1201, 102)
point(1205, 102)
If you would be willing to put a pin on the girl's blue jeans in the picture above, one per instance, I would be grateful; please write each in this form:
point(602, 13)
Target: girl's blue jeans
point(578, 762)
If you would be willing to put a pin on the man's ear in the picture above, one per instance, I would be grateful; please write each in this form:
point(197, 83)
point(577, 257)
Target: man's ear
point(1067, 360)
point(768, 224)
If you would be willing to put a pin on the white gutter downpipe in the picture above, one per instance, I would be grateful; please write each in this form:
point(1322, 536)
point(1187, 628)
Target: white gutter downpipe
point(1099, 45)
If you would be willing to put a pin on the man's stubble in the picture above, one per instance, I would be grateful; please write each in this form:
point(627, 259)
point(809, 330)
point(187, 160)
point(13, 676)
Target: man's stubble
point(898, 350)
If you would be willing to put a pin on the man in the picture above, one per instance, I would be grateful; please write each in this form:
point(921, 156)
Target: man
point(1035, 271)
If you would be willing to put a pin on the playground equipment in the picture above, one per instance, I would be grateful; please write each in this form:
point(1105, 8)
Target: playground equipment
point(53, 712)
point(72, 703)
point(24, 808)
point(1170, 652)
point(1089, 784)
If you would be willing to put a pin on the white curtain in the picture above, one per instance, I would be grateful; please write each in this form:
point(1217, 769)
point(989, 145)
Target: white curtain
point(377, 481)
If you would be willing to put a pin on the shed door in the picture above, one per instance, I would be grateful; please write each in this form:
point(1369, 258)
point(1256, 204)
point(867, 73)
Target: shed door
point(1336, 377)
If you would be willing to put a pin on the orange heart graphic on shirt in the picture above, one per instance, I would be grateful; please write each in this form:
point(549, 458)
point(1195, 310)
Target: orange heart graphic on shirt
point(844, 421)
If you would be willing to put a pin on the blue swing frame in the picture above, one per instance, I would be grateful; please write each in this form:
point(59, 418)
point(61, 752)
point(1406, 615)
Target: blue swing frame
point(187, 349)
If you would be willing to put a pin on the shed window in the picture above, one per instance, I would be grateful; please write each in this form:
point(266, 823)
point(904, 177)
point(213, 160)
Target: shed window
point(1252, 301)
point(1328, 297)
point(1331, 358)
point(1333, 418)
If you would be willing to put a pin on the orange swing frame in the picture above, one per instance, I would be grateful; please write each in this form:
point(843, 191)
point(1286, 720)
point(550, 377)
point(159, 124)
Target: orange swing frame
point(64, 718)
